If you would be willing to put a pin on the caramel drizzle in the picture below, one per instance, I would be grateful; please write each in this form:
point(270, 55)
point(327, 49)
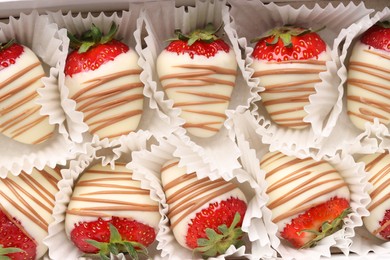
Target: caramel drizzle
point(104, 182)
point(201, 76)
point(377, 89)
point(40, 195)
point(300, 92)
point(298, 186)
point(377, 176)
point(93, 103)
point(192, 195)
point(27, 115)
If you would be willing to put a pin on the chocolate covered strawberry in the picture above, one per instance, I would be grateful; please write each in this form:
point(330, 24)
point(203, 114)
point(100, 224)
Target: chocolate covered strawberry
point(288, 60)
point(378, 168)
point(368, 93)
point(20, 76)
point(309, 199)
point(110, 212)
point(102, 75)
point(205, 216)
point(198, 72)
point(26, 204)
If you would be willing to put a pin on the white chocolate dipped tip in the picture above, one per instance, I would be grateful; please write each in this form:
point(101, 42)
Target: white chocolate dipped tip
point(187, 195)
point(110, 97)
point(201, 87)
point(296, 185)
point(288, 85)
point(20, 118)
point(368, 91)
point(378, 169)
point(29, 198)
point(102, 192)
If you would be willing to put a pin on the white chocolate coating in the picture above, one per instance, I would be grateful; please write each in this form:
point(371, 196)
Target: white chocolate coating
point(295, 185)
point(191, 195)
point(288, 85)
point(104, 192)
point(378, 168)
point(200, 86)
point(30, 199)
point(20, 118)
point(368, 91)
point(110, 97)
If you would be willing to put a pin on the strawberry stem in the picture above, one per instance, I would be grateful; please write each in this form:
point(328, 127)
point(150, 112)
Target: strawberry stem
point(8, 250)
point(206, 35)
point(285, 33)
point(217, 243)
point(117, 245)
point(327, 229)
point(91, 38)
point(4, 46)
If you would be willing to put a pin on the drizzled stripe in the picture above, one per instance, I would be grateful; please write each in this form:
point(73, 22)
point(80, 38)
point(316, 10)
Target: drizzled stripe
point(370, 108)
point(93, 102)
point(200, 76)
point(26, 114)
point(299, 91)
point(13, 191)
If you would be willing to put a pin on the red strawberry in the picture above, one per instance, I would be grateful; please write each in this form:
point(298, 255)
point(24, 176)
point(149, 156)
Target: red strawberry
point(21, 73)
point(378, 36)
point(14, 242)
point(102, 75)
point(101, 237)
point(205, 216)
point(368, 77)
point(308, 198)
point(198, 72)
point(288, 61)
point(316, 223)
point(385, 232)
point(9, 52)
point(107, 196)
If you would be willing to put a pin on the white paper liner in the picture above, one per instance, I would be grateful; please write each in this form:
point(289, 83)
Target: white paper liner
point(325, 104)
point(219, 151)
point(60, 247)
point(130, 30)
point(346, 136)
point(352, 173)
point(146, 165)
point(47, 42)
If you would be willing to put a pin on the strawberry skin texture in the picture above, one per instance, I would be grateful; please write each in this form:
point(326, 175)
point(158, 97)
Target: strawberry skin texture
point(95, 57)
point(12, 236)
point(385, 233)
point(313, 219)
point(212, 217)
point(377, 37)
point(98, 230)
point(198, 48)
point(307, 46)
point(9, 55)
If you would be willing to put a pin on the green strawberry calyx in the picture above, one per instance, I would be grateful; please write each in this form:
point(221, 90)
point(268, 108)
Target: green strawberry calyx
point(117, 245)
point(217, 243)
point(6, 45)
point(327, 229)
point(206, 35)
point(384, 24)
point(91, 38)
point(4, 251)
point(284, 33)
